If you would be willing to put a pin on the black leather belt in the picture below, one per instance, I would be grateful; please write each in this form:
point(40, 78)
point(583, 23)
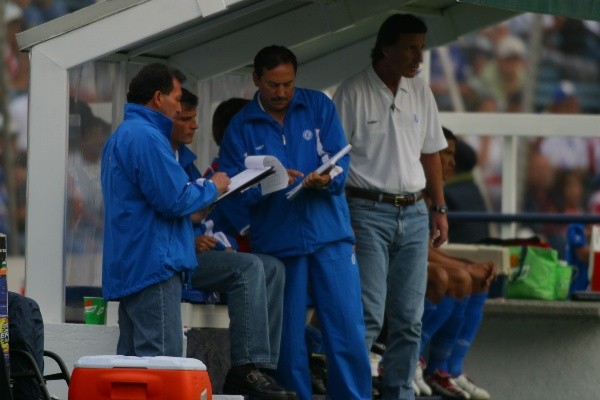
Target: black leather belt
point(398, 200)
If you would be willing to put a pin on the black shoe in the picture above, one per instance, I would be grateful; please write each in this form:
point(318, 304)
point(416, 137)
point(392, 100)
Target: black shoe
point(291, 395)
point(254, 383)
point(376, 388)
point(318, 373)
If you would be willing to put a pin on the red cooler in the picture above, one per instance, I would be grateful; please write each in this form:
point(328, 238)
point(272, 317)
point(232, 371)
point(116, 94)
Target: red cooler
point(110, 377)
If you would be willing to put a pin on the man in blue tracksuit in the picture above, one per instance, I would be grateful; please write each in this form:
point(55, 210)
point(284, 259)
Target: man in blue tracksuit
point(310, 233)
point(252, 282)
point(148, 237)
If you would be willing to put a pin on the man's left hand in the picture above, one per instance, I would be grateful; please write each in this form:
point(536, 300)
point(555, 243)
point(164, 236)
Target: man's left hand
point(439, 229)
point(316, 181)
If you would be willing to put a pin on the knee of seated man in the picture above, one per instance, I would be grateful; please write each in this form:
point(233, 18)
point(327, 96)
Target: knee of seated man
point(437, 283)
point(460, 282)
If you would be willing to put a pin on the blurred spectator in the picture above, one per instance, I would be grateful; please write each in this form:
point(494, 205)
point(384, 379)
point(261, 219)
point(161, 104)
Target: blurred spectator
point(84, 170)
point(439, 81)
point(16, 62)
point(37, 12)
point(489, 158)
point(569, 192)
point(573, 46)
point(539, 183)
point(85, 210)
point(17, 109)
point(505, 75)
point(566, 152)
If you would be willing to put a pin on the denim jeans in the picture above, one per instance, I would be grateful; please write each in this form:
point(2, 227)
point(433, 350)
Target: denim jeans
point(254, 286)
point(391, 249)
point(150, 321)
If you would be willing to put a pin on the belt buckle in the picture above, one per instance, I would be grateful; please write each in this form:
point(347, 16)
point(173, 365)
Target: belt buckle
point(402, 200)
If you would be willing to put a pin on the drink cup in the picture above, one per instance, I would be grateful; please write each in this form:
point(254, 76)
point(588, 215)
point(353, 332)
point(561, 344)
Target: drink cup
point(95, 310)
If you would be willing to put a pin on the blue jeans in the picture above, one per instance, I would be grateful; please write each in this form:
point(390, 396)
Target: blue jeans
point(391, 248)
point(254, 286)
point(150, 321)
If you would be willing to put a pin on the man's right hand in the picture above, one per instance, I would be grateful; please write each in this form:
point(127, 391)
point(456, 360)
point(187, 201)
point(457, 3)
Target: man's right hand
point(204, 243)
point(221, 181)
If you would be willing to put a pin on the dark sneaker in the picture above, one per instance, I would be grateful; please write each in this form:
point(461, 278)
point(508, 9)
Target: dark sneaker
point(442, 383)
point(376, 388)
point(291, 395)
point(318, 373)
point(255, 383)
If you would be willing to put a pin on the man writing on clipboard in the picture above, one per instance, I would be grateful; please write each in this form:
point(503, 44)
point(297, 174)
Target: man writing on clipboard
point(310, 233)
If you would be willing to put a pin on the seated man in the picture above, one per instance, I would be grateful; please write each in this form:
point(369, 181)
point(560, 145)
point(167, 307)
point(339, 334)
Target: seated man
point(456, 293)
point(254, 284)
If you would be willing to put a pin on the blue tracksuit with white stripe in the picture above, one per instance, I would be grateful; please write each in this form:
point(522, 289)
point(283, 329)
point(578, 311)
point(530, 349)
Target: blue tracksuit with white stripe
point(311, 234)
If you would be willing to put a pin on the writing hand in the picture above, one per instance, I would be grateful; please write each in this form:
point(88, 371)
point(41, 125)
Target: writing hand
point(292, 175)
point(221, 180)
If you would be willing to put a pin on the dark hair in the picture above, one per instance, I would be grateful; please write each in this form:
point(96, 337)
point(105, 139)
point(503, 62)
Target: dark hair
point(152, 78)
point(392, 28)
point(223, 114)
point(271, 56)
point(448, 134)
point(189, 100)
point(465, 157)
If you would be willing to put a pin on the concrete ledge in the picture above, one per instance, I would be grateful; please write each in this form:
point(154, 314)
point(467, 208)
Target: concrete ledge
point(542, 309)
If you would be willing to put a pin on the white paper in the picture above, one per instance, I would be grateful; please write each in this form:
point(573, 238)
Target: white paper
point(326, 165)
point(273, 182)
point(255, 167)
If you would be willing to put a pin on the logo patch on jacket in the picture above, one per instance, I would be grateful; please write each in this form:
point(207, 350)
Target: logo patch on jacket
point(307, 134)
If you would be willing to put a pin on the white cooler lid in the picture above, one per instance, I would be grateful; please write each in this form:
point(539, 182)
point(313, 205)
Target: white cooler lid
point(159, 362)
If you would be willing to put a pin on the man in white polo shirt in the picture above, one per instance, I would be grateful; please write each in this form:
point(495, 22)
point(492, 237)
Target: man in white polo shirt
point(390, 117)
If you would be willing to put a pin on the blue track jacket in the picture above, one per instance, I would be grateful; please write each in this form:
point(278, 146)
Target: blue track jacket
point(148, 198)
point(212, 224)
point(311, 134)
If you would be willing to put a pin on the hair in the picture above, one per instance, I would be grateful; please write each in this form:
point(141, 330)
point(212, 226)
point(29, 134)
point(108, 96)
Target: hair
point(465, 157)
point(152, 78)
point(189, 100)
point(272, 56)
point(223, 114)
point(392, 28)
point(448, 134)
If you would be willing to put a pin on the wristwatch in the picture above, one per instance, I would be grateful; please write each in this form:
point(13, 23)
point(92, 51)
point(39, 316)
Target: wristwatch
point(442, 208)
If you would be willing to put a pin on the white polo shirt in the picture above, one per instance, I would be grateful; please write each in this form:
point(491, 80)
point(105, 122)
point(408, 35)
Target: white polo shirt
point(387, 133)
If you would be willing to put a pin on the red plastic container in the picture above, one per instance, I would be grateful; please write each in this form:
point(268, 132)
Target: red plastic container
point(139, 378)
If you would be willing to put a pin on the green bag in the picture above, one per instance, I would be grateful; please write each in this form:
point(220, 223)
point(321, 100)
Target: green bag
point(538, 274)
point(564, 272)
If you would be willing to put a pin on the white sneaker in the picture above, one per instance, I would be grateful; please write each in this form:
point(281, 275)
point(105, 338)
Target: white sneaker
point(468, 386)
point(419, 382)
point(416, 389)
point(375, 360)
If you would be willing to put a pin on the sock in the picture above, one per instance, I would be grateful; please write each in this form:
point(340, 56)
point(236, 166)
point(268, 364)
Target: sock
point(243, 369)
point(436, 319)
point(314, 339)
point(473, 316)
point(429, 309)
point(443, 341)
